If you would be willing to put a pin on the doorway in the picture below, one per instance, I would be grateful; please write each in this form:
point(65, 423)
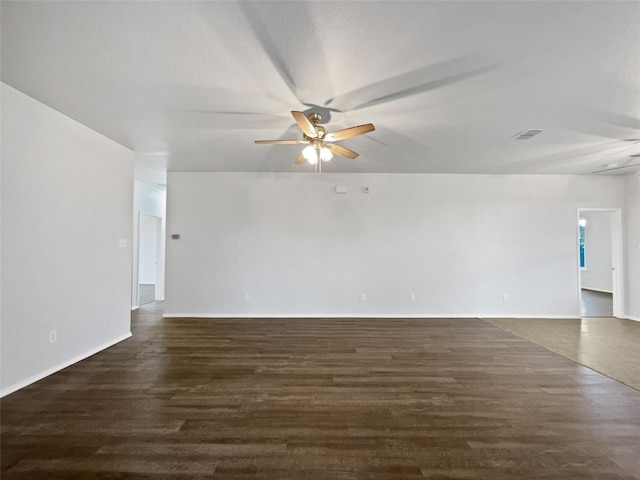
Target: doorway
point(149, 234)
point(600, 262)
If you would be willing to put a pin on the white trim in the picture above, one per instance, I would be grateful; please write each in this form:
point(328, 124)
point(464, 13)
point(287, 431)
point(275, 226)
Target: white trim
point(134, 307)
point(545, 317)
point(633, 319)
point(49, 371)
point(617, 245)
point(597, 290)
point(461, 316)
point(314, 315)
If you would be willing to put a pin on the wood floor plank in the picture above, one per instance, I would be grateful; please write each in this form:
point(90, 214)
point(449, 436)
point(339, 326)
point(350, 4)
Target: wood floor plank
point(321, 399)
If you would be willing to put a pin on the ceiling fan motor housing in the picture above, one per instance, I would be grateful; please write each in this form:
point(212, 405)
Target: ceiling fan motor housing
point(315, 118)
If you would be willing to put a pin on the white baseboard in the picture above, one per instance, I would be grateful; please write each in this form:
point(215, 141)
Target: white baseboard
point(551, 317)
point(314, 315)
point(136, 307)
point(635, 319)
point(596, 290)
point(468, 316)
point(49, 371)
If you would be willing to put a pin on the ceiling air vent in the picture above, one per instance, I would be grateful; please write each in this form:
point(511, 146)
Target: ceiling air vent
point(527, 134)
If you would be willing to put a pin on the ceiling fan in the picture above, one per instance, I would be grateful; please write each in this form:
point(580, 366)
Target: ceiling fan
point(315, 136)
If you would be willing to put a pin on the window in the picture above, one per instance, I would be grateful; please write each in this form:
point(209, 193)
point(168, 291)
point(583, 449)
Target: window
point(582, 225)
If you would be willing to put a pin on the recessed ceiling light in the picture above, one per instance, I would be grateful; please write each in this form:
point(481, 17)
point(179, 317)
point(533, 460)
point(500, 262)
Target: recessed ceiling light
point(610, 165)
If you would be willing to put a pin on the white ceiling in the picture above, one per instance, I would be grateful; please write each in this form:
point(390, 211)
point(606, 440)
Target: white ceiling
point(190, 85)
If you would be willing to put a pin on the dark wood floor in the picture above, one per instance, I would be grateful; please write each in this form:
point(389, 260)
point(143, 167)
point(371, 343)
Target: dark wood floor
point(322, 399)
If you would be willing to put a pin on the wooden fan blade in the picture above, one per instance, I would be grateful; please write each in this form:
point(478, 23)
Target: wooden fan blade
point(340, 150)
point(299, 160)
point(282, 142)
point(305, 124)
point(350, 132)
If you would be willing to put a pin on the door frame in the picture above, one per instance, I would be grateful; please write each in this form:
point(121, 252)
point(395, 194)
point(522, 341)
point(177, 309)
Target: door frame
point(617, 263)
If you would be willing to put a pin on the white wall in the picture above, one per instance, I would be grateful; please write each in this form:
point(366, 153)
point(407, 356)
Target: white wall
point(598, 274)
point(148, 200)
point(632, 246)
point(458, 242)
point(66, 201)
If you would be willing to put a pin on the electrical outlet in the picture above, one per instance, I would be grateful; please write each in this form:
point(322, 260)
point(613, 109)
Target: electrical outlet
point(363, 297)
point(505, 297)
point(246, 297)
point(53, 336)
point(412, 297)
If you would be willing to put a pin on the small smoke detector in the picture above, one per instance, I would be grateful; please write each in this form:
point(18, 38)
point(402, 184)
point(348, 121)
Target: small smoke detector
point(527, 134)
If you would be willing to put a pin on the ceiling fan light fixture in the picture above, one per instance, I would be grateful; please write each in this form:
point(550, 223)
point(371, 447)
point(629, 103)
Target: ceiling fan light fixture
point(325, 154)
point(310, 154)
point(315, 135)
